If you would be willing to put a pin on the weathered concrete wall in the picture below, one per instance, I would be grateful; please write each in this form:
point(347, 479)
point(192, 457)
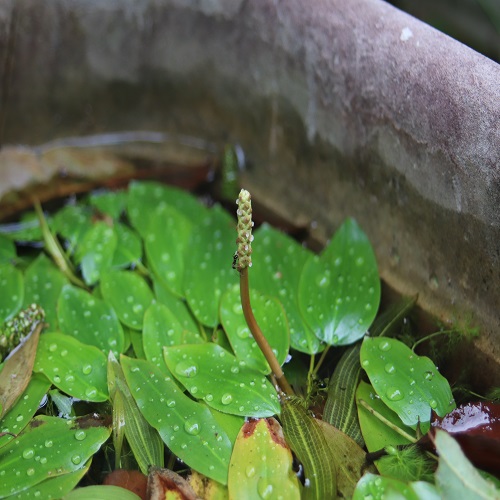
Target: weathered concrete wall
point(345, 107)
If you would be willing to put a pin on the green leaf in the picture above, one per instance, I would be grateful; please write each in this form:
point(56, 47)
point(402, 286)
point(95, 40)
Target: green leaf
point(105, 492)
point(261, 463)
point(166, 243)
point(12, 287)
point(186, 427)
point(128, 294)
point(387, 322)
point(7, 250)
point(208, 272)
point(306, 439)
point(456, 477)
point(128, 246)
point(75, 368)
point(95, 251)
point(385, 488)
point(145, 197)
point(50, 446)
point(111, 203)
point(162, 328)
point(376, 434)
point(89, 319)
point(19, 415)
point(339, 290)
point(144, 441)
point(278, 261)
point(56, 487)
point(270, 317)
point(408, 384)
point(43, 283)
point(340, 407)
point(27, 229)
point(72, 222)
point(209, 372)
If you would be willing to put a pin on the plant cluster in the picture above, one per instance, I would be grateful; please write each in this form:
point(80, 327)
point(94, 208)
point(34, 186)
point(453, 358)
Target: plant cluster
point(148, 358)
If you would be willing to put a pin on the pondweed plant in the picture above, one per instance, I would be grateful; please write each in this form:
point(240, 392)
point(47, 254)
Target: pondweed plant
point(153, 355)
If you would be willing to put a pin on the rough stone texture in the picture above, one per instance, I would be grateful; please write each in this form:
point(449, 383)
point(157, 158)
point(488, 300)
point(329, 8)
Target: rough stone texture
point(345, 107)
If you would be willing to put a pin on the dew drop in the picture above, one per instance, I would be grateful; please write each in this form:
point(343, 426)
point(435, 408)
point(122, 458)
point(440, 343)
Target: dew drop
point(235, 369)
point(30, 471)
point(250, 471)
point(243, 332)
point(87, 369)
point(171, 403)
point(433, 404)
point(192, 428)
point(48, 443)
point(390, 368)
point(194, 389)
point(226, 398)
point(76, 459)
point(90, 392)
point(80, 435)
point(209, 397)
point(137, 308)
point(19, 418)
point(429, 375)
point(264, 488)
point(394, 394)
point(52, 347)
point(186, 369)
point(384, 345)
point(365, 362)
point(28, 453)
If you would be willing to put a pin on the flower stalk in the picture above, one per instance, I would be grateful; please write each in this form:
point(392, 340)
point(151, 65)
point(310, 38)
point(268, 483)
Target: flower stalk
point(242, 261)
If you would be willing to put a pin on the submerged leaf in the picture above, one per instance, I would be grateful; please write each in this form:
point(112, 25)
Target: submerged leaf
point(456, 477)
point(211, 373)
point(408, 384)
point(66, 445)
point(306, 439)
point(270, 317)
point(261, 463)
point(339, 291)
point(186, 427)
point(340, 407)
point(75, 368)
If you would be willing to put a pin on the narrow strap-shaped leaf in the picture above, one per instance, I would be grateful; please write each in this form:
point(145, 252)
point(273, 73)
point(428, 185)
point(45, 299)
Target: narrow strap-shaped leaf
point(308, 442)
point(340, 408)
point(385, 324)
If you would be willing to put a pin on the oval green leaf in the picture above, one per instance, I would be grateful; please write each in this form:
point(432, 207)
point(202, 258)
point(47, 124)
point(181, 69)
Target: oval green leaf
point(111, 203)
point(128, 294)
point(208, 271)
point(339, 290)
point(50, 446)
point(72, 222)
point(43, 283)
point(188, 428)
point(408, 384)
point(103, 492)
point(211, 373)
point(75, 368)
point(128, 246)
point(261, 463)
point(278, 261)
point(89, 319)
point(12, 287)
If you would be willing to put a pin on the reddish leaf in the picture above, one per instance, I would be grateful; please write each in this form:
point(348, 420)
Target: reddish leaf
point(132, 480)
point(163, 483)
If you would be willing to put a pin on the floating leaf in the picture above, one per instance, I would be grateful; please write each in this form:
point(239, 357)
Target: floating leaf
point(350, 458)
point(95, 251)
point(208, 265)
point(102, 493)
point(75, 368)
point(128, 246)
point(377, 434)
point(278, 261)
point(12, 286)
point(306, 439)
point(64, 445)
point(128, 294)
point(89, 319)
point(340, 407)
point(19, 415)
point(142, 438)
point(166, 243)
point(56, 487)
point(271, 319)
point(209, 372)
point(381, 488)
point(144, 197)
point(339, 290)
point(456, 477)
point(17, 368)
point(43, 283)
point(186, 427)
point(7, 250)
point(162, 328)
point(261, 463)
point(408, 384)
point(111, 203)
